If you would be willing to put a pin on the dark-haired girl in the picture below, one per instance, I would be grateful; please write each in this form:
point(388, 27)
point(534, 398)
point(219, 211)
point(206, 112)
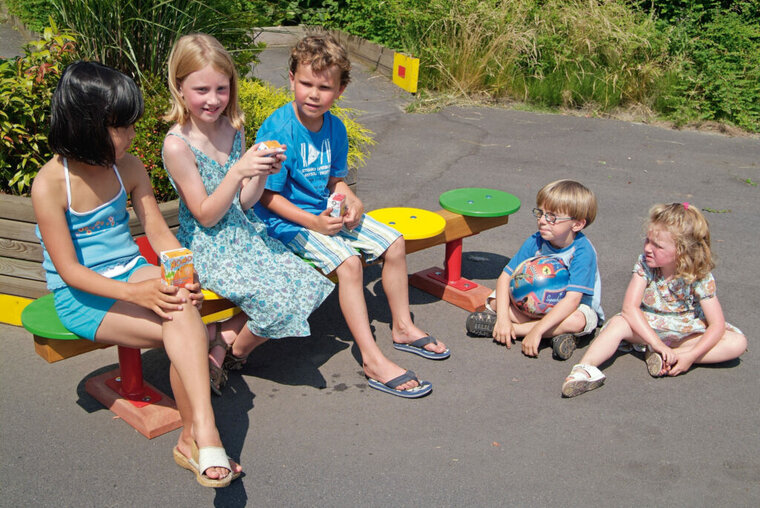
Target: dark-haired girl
point(104, 290)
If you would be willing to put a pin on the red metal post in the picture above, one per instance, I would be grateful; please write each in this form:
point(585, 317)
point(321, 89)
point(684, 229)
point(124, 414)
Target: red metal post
point(130, 366)
point(453, 260)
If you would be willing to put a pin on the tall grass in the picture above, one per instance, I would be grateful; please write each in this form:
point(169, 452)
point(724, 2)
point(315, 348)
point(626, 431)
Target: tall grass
point(136, 36)
point(571, 53)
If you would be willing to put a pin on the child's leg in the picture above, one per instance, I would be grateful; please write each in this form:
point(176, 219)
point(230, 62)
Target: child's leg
point(236, 335)
point(185, 340)
point(522, 324)
point(396, 287)
point(729, 347)
point(605, 345)
point(354, 308)
point(585, 375)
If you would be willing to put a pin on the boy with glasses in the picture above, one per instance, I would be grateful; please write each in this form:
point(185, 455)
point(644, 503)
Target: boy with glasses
point(565, 207)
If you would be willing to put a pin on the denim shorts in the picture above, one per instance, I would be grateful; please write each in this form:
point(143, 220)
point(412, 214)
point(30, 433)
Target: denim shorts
point(82, 312)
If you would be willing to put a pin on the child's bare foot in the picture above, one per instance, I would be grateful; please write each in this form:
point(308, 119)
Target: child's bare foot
point(185, 448)
point(419, 343)
point(385, 370)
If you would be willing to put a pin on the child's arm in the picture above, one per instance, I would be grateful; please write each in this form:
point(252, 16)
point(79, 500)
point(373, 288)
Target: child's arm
point(50, 207)
point(716, 328)
point(635, 317)
point(322, 223)
point(254, 187)
point(354, 205)
point(503, 331)
point(566, 306)
point(208, 210)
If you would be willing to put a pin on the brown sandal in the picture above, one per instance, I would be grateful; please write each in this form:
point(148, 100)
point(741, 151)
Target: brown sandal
point(232, 362)
point(218, 375)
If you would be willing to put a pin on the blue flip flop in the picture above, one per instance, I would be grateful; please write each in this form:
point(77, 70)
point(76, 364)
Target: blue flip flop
point(424, 387)
point(418, 348)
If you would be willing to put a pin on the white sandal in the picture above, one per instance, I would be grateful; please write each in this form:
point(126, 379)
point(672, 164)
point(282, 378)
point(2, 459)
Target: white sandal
point(582, 378)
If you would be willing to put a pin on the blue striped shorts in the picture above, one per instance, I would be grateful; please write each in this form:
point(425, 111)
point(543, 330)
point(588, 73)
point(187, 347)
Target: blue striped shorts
point(371, 238)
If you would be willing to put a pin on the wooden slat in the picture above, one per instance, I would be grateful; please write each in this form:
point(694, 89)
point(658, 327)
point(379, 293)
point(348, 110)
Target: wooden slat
point(31, 251)
point(23, 269)
point(16, 208)
point(16, 230)
point(22, 287)
point(170, 211)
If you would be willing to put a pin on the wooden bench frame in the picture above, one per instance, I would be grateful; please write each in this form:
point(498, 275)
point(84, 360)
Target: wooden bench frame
point(447, 283)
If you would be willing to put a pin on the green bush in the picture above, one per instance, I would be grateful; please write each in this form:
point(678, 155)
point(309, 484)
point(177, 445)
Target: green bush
point(26, 86)
point(718, 77)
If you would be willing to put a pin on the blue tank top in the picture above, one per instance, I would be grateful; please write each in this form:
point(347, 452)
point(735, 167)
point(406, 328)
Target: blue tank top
point(101, 237)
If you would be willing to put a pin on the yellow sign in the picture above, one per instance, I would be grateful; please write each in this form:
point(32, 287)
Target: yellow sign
point(406, 70)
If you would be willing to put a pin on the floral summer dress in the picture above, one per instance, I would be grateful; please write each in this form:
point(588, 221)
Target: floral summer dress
point(672, 307)
point(236, 259)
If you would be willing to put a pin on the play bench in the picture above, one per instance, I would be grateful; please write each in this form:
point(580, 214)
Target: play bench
point(122, 390)
point(466, 212)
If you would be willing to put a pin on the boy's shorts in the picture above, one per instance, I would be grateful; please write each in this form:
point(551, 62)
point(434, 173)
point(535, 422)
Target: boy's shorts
point(81, 312)
point(371, 237)
point(592, 318)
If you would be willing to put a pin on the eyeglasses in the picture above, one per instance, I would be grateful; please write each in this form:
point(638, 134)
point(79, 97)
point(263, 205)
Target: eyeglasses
point(550, 217)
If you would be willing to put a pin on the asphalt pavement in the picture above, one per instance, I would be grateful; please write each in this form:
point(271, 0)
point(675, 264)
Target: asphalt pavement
point(495, 431)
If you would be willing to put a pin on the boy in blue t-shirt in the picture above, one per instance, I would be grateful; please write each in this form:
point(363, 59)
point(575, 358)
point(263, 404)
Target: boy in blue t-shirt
point(564, 208)
point(294, 207)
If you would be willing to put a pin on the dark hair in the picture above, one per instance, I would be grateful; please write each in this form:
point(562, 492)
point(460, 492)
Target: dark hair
point(89, 98)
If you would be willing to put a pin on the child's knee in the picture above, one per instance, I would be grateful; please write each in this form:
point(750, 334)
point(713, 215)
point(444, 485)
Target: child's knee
point(397, 249)
point(737, 342)
point(350, 268)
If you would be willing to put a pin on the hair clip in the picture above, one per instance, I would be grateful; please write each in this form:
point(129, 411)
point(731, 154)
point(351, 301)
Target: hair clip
point(686, 205)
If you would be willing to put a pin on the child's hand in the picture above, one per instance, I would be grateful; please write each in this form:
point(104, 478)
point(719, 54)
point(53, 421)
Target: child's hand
point(531, 342)
point(354, 213)
point(669, 356)
point(328, 225)
point(157, 296)
point(196, 295)
point(683, 363)
point(255, 163)
point(503, 332)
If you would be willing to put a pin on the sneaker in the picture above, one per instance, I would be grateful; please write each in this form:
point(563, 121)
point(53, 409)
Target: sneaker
point(480, 324)
point(563, 346)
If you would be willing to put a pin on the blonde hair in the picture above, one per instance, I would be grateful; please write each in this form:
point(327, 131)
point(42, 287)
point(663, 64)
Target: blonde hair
point(321, 51)
point(192, 53)
point(691, 235)
point(570, 197)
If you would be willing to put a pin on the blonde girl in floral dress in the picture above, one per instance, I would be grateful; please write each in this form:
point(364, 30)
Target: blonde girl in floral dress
point(218, 181)
point(670, 305)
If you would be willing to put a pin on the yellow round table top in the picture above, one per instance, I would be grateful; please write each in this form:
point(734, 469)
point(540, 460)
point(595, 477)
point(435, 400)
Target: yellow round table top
point(412, 223)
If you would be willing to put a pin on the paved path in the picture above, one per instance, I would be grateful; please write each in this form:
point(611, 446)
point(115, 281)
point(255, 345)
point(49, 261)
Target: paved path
point(495, 431)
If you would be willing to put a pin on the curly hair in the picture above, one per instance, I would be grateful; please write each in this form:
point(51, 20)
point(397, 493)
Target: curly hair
point(192, 53)
point(691, 235)
point(321, 51)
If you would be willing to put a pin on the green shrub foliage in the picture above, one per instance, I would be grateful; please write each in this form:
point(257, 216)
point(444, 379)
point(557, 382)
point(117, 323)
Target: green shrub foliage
point(26, 86)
